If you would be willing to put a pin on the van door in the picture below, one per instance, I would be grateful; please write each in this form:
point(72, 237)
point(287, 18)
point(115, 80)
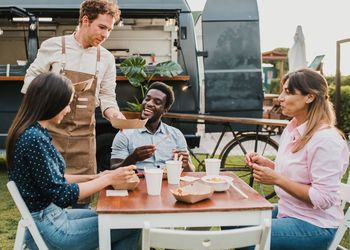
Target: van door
point(232, 68)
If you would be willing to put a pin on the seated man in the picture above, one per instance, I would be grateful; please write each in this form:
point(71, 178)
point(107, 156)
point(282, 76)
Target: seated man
point(137, 146)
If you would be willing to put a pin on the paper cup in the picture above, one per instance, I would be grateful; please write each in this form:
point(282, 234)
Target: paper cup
point(212, 166)
point(154, 177)
point(174, 169)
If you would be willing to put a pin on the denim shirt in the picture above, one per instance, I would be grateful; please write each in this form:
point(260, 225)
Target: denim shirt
point(128, 140)
point(38, 171)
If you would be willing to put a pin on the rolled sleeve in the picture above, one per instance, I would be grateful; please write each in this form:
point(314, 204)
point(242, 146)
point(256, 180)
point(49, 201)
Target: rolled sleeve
point(327, 164)
point(47, 54)
point(181, 141)
point(120, 146)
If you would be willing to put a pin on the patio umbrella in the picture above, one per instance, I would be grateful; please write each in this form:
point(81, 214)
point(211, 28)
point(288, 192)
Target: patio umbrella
point(296, 54)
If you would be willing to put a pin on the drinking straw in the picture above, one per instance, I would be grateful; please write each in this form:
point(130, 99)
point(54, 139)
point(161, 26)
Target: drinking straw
point(166, 137)
point(239, 191)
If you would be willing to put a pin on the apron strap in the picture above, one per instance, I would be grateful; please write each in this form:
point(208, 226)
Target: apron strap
point(63, 61)
point(98, 61)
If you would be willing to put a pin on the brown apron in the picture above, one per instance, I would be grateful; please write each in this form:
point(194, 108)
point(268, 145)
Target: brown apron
point(75, 137)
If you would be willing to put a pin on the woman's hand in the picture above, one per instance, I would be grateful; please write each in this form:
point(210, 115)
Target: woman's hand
point(264, 175)
point(121, 175)
point(255, 158)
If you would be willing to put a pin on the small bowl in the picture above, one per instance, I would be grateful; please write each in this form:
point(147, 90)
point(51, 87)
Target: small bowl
point(219, 182)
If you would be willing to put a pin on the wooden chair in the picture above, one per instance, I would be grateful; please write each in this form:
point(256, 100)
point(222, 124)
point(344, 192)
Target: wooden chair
point(225, 239)
point(345, 196)
point(25, 222)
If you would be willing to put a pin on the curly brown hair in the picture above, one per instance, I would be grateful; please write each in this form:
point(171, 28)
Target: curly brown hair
point(92, 8)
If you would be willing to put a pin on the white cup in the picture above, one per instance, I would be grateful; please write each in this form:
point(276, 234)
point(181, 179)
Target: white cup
point(212, 166)
point(154, 177)
point(173, 169)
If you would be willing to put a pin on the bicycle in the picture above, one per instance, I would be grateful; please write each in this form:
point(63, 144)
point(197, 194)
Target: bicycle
point(232, 154)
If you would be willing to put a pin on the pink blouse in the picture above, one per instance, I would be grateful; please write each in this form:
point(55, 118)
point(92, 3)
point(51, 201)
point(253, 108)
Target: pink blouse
point(320, 164)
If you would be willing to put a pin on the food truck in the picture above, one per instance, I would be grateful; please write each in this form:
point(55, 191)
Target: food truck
point(159, 31)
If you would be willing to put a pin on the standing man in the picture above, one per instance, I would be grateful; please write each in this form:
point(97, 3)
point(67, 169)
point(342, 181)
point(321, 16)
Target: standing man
point(92, 70)
point(137, 146)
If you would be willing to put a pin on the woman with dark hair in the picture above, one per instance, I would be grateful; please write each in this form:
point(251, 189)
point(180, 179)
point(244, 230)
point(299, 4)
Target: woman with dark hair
point(312, 157)
point(37, 168)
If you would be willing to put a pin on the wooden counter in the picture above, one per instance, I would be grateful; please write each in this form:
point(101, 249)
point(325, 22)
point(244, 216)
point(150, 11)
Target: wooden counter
point(215, 118)
point(118, 78)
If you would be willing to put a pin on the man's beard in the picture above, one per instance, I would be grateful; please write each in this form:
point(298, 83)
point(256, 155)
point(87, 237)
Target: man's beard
point(154, 118)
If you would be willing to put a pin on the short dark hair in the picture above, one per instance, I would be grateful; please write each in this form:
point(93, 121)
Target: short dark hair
point(170, 98)
point(47, 95)
point(93, 8)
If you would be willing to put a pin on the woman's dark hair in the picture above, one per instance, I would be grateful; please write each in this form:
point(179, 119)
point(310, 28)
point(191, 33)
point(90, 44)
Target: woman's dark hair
point(320, 111)
point(47, 95)
point(166, 90)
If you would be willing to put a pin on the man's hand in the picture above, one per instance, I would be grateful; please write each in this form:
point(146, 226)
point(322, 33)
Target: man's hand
point(184, 157)
point(143, 153)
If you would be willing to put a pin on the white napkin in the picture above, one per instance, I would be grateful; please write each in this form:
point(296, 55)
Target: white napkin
point(117, 193)
point(188, 178)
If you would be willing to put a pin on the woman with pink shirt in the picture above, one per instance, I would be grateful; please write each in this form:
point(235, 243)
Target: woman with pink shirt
point(312, 157)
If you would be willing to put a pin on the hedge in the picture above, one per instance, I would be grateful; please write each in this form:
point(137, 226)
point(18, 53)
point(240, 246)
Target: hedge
point(344, 80)
point(344, 100)
point(344, 107)
point(275, 83)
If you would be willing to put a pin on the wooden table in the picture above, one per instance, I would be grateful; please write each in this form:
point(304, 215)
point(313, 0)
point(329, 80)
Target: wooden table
point(227, 208)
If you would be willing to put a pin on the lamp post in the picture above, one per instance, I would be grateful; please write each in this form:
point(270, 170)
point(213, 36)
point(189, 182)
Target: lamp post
point(337, 81)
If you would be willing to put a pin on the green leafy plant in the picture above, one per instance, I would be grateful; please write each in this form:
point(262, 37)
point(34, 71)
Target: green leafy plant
point(138, 75)
point(344, 107)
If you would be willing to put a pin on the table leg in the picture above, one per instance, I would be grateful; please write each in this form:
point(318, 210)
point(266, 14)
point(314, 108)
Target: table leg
point(267, 214)
point(104, 233)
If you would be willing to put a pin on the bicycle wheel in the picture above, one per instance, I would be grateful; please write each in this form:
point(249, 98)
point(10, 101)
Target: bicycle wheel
point(232, 158)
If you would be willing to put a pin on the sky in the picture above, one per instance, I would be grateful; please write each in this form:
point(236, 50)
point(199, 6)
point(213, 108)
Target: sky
point(323, 22)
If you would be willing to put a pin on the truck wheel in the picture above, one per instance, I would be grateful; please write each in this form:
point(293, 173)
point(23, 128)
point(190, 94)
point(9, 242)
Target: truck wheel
point(103, 151)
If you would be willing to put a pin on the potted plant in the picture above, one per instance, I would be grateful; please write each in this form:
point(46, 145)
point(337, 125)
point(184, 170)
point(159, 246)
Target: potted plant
point(140, 76)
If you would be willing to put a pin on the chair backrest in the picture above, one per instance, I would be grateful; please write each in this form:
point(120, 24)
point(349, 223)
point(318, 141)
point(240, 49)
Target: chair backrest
point(26, 220)
point(345, 196)
point(182, 239)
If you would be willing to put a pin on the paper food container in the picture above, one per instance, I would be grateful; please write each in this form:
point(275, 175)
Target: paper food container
point(128, 186)
point(128, 124)
point(83, 86)
point(193, 192)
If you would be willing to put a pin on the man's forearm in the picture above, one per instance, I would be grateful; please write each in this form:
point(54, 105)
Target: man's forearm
point(117, 163)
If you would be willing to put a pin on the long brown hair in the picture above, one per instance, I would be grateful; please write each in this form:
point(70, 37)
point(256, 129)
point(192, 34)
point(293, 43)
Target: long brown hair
point(320, 111)
point(47, 95)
